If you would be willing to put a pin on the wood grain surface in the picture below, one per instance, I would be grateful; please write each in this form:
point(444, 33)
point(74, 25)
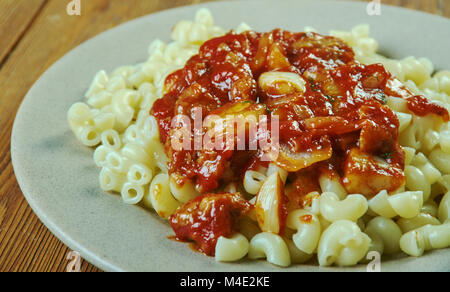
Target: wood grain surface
point(33, 35)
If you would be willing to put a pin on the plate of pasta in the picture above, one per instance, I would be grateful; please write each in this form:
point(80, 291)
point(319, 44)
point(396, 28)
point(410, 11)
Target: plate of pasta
point(289, 138)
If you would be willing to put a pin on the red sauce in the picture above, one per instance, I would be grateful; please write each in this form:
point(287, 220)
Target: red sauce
point(206, 218)
point(342, 114)
point(306, 218)
point(421, 106)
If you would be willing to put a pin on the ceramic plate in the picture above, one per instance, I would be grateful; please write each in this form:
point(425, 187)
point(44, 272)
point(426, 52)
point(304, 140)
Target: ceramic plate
point(58, 176)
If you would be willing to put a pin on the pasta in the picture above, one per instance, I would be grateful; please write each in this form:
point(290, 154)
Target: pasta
point(231, 249)
point(271, 246)
point(388, 231)
point(342, 243)
point(405, 204)
point(308, 229)
point(415, 242)
point(352, 208)
point(300, 203)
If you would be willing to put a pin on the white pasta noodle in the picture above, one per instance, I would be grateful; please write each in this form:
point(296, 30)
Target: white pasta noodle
point(115, 120)
point(308, 229)
point(274, 168)
point(407, 204)
point(268, 202)
point(160, 197)
point(253, 180)
point(270, 246)
point(430, 207)
point(404, 120)
point(98, 84)
point(441, 160)
point(404, 204)
point(351, 208)
point(184, 191)
point(343, 244)
point(132, 193)
point(139, 174)
point(420, 220)
point(269, 79)
point(444, 208)
point(297, 256)
point(416, 242)
point(376, 243)
point(389, 232)
point(332, 184)
point(416, 181)
point(444, 141)
point(118, 162)
point(100, 154)
point(231, 249)
point(111, 181)
point(111, 139)
point(431, 173)
point(409, 154)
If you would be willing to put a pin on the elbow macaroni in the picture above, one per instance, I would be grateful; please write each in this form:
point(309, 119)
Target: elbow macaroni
point(270, 246)
point(114, 119)
point(231, 249)
point(342, 243)
point(351, 208)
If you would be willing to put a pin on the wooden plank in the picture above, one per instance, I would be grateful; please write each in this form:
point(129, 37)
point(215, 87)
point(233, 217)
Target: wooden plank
point(25, 243)
point(15, 17)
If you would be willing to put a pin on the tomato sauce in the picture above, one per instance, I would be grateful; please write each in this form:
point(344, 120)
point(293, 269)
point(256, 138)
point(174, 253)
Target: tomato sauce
point(340, 120)
point(206, 218)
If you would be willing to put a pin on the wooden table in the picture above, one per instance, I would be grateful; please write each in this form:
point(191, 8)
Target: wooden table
point(33, 35)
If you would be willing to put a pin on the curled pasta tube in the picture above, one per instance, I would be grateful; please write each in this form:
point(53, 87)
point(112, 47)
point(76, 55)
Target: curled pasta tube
point(253, 180)
point(275, 168)
point(389, 232)
point(111, 181)
point(270, 246)
point(98, 84)
point(416, 242)
point(269, 79)
point(416, 181)
point(117, 162)
point(297, 256)
point(231, 249)
point(308, 229)
point(332, 184)
point(444, 208)
point(100, 154)
point(342, 243)
point(430, 207)
point(404, 120)
point(132, 193)
point(160, 197)
point(440, 159)
point(352, 208)
point(182, 189)
point(376, 243)
point(110, 138)
point(78, 114)
point(405, 204)
point(431, 173)
point(420, 220)
point(139, 174)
